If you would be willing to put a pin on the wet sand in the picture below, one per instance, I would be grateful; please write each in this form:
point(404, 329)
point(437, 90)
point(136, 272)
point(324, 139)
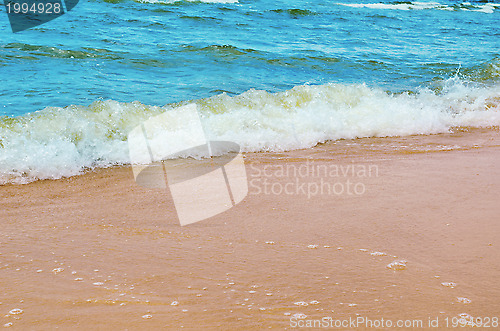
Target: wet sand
point(99, 252)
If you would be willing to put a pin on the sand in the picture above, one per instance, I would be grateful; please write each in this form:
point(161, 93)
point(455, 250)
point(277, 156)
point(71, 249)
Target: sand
point(98, 251)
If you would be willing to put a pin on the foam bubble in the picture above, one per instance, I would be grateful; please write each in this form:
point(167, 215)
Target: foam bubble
point(301, 303)
point(449, 284)
point(299, 316)
point(57, 270)
point(61, 142)
point(464, 300)
point(397, 265)
point(16, 311)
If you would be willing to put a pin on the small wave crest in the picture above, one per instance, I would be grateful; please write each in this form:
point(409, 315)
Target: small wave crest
point(60, 142)
point(488, 8)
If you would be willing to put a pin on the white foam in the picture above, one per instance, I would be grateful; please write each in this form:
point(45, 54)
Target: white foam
point(397, 265)
point(60, 142)
point(16, 311)
point(396, 6)
point(301, 303)
point(488, 8)
point(464, 300)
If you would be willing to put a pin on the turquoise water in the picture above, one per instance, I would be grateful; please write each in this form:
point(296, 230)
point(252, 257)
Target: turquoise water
point(159, 52)
point(268, 75)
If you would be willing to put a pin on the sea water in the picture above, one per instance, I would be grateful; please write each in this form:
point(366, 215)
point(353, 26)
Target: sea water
point(267, 75)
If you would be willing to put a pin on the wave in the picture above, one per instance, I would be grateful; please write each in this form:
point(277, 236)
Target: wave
point(168, 58)
point(60, 142)
point(296, 12)
point(27, 51)
point(172, 57)
point(485, 72)
point(488, 8)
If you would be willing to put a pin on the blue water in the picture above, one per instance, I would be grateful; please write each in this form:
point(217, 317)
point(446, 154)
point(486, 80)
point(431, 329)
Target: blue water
point(266, 75)
point(158, 53)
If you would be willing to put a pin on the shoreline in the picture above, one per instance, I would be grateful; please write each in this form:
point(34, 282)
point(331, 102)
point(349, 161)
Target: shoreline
point(433, 204)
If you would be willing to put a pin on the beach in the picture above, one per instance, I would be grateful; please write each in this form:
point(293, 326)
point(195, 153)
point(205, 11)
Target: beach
point(249, 165)
point(416, 240)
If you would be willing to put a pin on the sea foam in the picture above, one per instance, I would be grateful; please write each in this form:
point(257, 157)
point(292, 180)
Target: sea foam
point(59, 142)
point(487, 8)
